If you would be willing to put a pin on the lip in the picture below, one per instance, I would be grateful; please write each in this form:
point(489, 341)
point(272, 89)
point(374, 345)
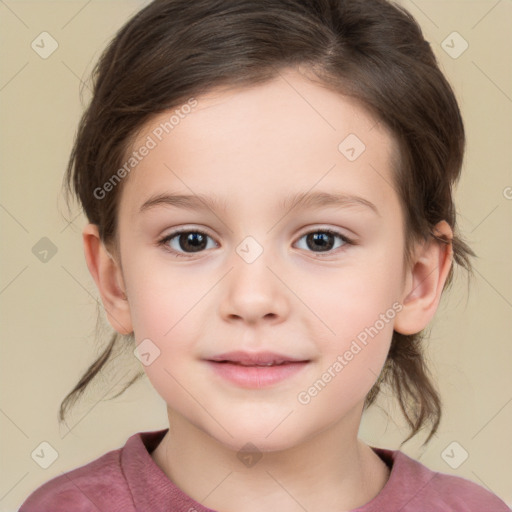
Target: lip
point(255, 370)
point(255, 358)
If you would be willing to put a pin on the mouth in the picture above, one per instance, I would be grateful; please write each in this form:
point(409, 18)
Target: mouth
point(255, 358)
point(271, 363)
point(256, 370)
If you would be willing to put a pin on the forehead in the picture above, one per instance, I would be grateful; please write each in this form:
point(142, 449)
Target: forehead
point(285, 136)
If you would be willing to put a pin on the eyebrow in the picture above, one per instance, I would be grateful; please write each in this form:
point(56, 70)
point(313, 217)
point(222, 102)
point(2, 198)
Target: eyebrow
point(301, 200)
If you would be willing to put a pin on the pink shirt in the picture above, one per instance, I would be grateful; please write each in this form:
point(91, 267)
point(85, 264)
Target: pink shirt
point(128, 480)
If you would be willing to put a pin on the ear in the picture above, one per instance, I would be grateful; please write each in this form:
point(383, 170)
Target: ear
point(425, 282)
point(108, 277)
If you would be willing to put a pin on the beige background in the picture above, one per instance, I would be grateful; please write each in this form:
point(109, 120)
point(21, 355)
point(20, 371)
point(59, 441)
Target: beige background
point(49, 309)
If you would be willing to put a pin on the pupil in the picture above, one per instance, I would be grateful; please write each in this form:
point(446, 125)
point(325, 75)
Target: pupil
point(320, 240)
point(195, 240)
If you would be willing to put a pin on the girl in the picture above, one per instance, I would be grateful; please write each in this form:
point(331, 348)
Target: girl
point(268, 185)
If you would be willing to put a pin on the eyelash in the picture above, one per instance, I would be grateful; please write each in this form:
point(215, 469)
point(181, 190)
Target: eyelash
point(167, 238)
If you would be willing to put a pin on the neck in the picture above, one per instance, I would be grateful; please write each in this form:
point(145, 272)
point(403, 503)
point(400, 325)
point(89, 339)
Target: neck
point(331, 470)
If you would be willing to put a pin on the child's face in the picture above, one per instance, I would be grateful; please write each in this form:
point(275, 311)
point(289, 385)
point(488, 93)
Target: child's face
point(256, 282)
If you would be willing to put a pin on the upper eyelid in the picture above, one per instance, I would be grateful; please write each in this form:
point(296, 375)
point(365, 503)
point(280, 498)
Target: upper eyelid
point(178, 231)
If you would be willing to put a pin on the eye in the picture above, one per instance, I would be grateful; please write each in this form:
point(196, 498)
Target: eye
point(323, 239)
point(193, 241)
point(188, 240)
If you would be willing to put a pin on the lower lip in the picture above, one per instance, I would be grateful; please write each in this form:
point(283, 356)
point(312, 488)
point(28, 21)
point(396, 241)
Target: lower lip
point(255, 377)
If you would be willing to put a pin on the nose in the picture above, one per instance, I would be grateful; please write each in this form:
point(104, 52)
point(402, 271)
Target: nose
point(254, 292)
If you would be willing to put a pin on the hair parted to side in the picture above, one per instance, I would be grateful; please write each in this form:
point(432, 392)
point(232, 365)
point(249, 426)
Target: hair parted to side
point(371, 50)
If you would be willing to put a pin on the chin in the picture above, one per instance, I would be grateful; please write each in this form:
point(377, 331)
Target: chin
point(266, 436)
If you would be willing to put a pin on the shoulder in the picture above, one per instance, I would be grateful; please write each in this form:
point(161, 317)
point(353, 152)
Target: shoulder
point(85, 489)
point(463, 495)
point(412, 486)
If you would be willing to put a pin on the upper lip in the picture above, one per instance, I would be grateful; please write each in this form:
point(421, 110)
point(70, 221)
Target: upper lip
point(255, 358)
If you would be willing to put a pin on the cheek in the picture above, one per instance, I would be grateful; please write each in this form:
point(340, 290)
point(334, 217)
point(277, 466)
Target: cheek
point(164, 312)
point(168, 317)
point(160, 299)
point(349, 367)
point(353, 298)
point(357, 307)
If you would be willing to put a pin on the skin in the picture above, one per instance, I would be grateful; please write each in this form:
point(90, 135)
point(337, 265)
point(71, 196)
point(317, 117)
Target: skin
point(254, 147)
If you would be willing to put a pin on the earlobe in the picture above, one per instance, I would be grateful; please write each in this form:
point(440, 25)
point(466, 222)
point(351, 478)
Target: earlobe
point(425, 282)
point(108, 277)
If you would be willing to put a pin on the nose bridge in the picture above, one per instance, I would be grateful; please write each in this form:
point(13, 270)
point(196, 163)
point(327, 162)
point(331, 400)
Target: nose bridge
point(251, 261)
point(251, 249)
point(253, 290)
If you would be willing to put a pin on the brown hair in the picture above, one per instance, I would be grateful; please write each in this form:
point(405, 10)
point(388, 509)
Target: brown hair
point(371, 50)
